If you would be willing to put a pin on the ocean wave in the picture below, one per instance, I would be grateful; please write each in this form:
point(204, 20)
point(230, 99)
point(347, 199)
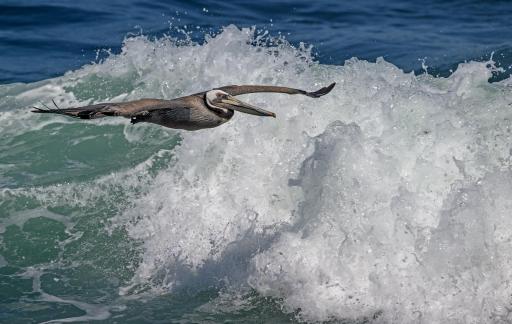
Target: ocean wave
point(385, 200)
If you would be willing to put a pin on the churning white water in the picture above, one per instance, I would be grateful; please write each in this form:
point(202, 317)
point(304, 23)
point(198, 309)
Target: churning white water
point(388, 199)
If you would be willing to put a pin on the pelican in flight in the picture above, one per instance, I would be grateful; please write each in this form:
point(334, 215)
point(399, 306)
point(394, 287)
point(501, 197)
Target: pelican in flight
point(197, 111)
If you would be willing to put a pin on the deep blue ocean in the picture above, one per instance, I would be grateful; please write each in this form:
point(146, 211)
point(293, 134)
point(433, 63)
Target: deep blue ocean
point(386, 201)
point(42, 39)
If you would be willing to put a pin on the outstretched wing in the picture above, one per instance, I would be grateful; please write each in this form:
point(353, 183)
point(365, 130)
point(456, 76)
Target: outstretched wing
point(144, 106)
point(125, 109)
point(235, 90)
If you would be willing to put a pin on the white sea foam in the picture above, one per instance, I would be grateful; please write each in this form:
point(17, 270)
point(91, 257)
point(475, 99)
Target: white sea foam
point(93, 312)
point(389, 198)
point(386, 198)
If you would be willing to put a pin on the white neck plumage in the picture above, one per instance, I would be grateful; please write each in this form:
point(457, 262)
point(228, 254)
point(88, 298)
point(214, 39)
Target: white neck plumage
point(214, 96)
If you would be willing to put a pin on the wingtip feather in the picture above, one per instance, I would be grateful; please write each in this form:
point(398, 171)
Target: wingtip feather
point(38, 110)
point(322, 92)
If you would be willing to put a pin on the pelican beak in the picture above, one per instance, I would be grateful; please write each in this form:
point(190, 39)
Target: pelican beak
point(238, 105)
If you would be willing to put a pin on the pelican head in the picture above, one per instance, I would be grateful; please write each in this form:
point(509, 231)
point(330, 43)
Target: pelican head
point(218, 100)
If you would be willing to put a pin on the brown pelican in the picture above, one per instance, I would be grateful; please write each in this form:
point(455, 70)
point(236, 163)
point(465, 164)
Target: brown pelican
point(201, 110)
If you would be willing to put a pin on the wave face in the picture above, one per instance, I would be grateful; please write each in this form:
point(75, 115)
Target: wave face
point(385, 201)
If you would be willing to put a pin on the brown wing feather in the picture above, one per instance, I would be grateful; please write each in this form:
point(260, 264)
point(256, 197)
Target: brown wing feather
point(235, 90)
point(132, 108)
point(125, 109)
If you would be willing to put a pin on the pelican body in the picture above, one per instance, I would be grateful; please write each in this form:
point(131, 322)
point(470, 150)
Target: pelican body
point(197, 111)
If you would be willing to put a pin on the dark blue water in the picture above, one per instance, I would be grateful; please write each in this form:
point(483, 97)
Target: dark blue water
point(41, 39)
